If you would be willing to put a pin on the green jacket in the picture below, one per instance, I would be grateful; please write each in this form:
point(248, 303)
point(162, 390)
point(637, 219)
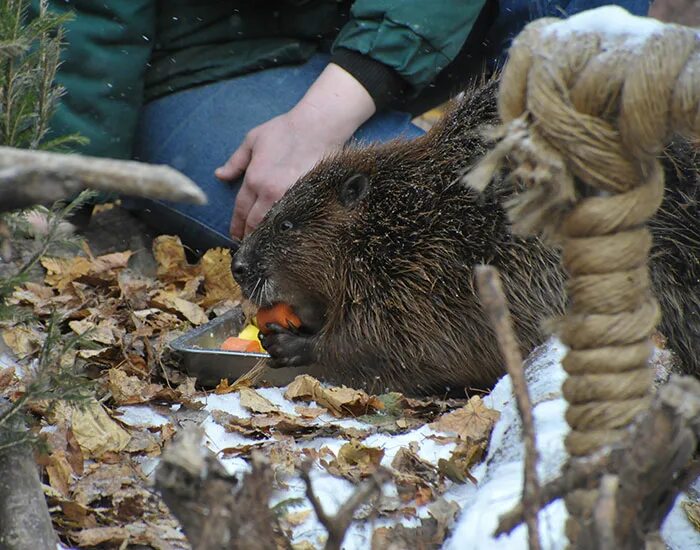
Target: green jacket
point(121, 52)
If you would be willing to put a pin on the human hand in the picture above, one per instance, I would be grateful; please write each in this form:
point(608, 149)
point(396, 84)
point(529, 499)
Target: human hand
point(277, 153)
point(683, 12)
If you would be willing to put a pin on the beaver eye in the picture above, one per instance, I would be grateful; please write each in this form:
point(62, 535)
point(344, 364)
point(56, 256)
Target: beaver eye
point(286, 225)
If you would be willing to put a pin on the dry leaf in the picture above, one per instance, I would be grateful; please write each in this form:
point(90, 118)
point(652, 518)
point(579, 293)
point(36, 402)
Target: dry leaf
point(110, 262)
point(104, 332)
point(96, 432)
point(219, 284)
point(130, 390)
point(189, 310)
point(172, 262)
point(474, 421)
point(355, 461)
point(59, 471)
point(77, 514)
point(309, 412)
point(7, 377)
point(60, 272)
point(339, 401)
point(250, 399)
point(692, 512)
point(21, 340)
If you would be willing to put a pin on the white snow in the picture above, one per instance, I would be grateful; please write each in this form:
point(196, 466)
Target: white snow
point(613, 22)
point(141, 416)
point(500, 475)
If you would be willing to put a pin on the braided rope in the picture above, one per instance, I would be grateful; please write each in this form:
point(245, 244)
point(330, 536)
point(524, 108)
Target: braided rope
point(585, 113)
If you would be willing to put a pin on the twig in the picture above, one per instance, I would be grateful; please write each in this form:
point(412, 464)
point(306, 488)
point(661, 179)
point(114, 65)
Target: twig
point(580, 475)
point(653, 463)
point(29, 177)
point(494, 302)
point(338, 525)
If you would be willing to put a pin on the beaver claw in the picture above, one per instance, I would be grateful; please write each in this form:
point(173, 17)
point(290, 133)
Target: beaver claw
point(288, 347)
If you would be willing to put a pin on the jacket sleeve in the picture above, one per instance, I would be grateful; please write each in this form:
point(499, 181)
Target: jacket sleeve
point(397, 48)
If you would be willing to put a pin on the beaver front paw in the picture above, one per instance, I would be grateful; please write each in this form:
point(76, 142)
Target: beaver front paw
point(288, 347)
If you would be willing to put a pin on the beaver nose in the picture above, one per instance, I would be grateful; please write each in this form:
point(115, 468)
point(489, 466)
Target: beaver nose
point(240, 268)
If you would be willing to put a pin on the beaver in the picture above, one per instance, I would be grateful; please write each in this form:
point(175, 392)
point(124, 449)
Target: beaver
point(375, 249)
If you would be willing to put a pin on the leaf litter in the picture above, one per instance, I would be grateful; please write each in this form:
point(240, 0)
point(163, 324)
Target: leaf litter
point(98, 469)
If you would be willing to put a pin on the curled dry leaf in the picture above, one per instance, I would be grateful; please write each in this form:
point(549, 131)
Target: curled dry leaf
point(59, 472)
point(474, 421)
point(189, 310)
point(355, 461)
point(340, 401)
point(463, 457)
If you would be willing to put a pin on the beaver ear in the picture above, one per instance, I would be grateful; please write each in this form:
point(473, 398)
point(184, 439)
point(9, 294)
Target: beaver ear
point(353, 190)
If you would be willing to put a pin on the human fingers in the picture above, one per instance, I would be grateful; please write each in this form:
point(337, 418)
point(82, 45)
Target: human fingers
point(257, 212)
point(237, 162)
point(244, 202)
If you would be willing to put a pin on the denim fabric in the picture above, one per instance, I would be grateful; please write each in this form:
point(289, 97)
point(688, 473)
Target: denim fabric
point(196, 130)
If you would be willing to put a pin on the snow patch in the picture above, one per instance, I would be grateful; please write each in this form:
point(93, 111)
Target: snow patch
point(613, 22)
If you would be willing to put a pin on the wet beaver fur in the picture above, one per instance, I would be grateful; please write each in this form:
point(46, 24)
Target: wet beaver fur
point(375, 247)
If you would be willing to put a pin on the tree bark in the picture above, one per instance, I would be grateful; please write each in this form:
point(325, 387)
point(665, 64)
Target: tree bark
point(25, 523)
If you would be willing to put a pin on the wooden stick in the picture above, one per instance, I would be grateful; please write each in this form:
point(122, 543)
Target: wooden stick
point(29, 177)
point(494, 302)
point(338, 525)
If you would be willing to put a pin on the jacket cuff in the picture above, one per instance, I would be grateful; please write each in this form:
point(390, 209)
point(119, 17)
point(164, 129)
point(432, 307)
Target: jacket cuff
point(382, 82)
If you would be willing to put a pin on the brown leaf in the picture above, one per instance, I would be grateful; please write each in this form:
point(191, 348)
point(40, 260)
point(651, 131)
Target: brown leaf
point(60, 272)
point(77, 514)
point(339, 401)
point(22, 341)
point(474, 421)
point(109, 263)
point(59, 471)
point(189, 310)
point(96, 432)
point(219, 284)
point(692, 512)
point(250, 399)
point(172, 262)
point(135, 534)
point(463, 457)
point(309, 412)
point(39, 296)
point(130, 390)
point(7, 377)
point(105, 331)
point(355, 461)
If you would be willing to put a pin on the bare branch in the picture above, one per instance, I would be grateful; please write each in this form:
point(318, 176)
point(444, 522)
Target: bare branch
point(494, 302)
point(338, 525)
point(29, 177)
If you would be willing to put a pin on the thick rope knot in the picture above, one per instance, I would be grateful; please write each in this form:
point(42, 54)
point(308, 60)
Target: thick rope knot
point(587, 104)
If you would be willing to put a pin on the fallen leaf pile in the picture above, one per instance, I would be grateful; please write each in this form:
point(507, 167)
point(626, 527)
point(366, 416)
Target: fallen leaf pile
point(100, 456)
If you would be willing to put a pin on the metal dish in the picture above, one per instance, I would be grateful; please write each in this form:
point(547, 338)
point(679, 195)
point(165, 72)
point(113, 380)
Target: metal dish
point(202, 358)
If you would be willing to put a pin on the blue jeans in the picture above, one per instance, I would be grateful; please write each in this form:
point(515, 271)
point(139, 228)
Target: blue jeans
point(196, 130)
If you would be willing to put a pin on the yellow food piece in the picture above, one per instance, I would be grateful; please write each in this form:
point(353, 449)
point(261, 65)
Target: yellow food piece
point(250, 332)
